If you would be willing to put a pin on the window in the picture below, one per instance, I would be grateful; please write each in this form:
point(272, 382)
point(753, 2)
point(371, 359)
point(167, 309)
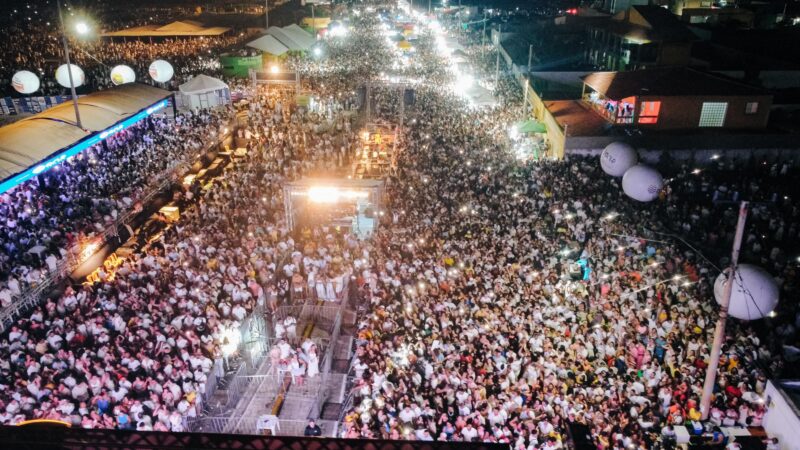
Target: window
point(648, 112)
point(713, 114)
point(751, 108)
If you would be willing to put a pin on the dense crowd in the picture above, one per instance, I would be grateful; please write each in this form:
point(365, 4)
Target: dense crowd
point(504, 299)
point(38, 48)
point(135, 350)
point(52, 216)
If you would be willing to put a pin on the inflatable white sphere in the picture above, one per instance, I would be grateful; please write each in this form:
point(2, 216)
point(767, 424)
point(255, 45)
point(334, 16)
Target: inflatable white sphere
point(618, 157)
point(25, 82)
point(642, 183)
point(161, 71)
point(754, 294)
point(122, 74)
point(62, 76)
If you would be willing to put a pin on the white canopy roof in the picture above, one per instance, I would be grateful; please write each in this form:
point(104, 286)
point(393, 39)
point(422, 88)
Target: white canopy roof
point(269, 44)
point(300, 35)
point(25, 143)
point(286, 40)
point(201, 84)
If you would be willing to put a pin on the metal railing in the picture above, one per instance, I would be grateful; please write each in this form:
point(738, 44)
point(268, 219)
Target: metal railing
point(249, 425)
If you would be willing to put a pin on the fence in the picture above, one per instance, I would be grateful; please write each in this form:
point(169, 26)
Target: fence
point(254, 348)
point(249, 425)
point(82, 251)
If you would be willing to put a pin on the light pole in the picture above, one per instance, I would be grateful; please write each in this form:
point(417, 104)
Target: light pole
point(82, 28)
point(266, 12)
point(497, 63)
point(719, 331)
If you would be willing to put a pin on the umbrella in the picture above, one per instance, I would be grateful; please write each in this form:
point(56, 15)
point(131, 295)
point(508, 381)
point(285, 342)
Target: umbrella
point(531, 126)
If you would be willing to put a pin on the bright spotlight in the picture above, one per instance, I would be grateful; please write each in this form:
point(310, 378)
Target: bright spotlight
point(82, 28)
point(274, 69)
point(317, 51)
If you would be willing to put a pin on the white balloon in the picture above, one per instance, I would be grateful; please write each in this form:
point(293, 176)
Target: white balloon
point(122, 74)
point(161, 71)
point(642, 183)
point(62, 76)
point(25, 82)
point(618, 157)
point(754, 294)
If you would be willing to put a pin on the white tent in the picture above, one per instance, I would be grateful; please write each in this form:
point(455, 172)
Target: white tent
point(299, 35)
point(204, 91)
point(268, 44)
point(286, 40)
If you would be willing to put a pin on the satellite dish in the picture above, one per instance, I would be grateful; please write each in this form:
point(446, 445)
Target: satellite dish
point(161, 71)
point(122, 74)
point(25, 82)
point(617, 158)
point(642, 183)
point(62, 76)
point(754, 294)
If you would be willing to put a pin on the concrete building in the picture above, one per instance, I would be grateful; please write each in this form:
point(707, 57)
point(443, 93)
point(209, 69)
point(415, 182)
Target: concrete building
point(676, 99)
point(638, 38)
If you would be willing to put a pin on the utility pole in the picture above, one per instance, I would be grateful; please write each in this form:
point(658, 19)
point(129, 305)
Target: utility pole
point(429, 6)
point(69, 66)
point(530, 56)
point(497, 62)
point(483, 36)
point(314, 21)
point(525, 100)
point(719, 331)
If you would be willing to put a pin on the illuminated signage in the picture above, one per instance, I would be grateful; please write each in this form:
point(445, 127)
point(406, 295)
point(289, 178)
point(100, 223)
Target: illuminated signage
point(60, 157)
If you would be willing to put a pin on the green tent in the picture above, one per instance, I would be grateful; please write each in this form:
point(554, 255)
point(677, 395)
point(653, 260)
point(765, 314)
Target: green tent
point(531, 126)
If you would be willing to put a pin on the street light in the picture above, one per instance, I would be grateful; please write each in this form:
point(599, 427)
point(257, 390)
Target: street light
point(81, 26)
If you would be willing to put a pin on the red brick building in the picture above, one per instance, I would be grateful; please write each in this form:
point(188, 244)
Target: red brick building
point(676, 98)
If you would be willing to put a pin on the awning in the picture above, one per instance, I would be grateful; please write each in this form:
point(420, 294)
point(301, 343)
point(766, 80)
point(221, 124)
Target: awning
point(201, 84)
point(268, 44)
point(531, 126)
point(28, 142)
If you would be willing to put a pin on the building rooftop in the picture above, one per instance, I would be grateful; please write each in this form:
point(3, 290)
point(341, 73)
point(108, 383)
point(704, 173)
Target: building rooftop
point(648, 24)
point(667, 81)
point(579, 118)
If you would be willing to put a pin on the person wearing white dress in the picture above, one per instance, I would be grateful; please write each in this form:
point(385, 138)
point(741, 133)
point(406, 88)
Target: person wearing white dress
point(297, 370)
point(313, 363)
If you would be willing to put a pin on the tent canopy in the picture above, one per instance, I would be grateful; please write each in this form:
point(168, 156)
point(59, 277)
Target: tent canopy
point(25, 143)
point(404, 45)
point(268, 44)
point(299, 35)
point(177, 28)
point(531, 126)
point(201, 84)
point(286, 40)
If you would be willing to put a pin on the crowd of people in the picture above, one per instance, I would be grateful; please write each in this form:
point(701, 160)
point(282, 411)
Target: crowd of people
point(51, 217)
point(37, 47)
point(134, 351)
point(480, 330)
point(479, 324)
